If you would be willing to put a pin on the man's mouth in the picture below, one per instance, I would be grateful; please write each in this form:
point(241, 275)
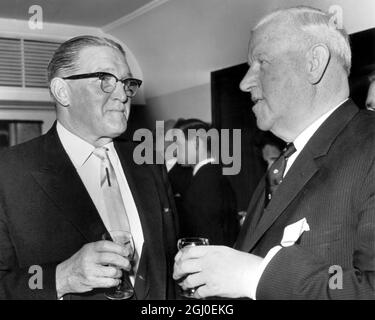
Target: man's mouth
point(256, 99)
point(121, 111)
point(256, 106)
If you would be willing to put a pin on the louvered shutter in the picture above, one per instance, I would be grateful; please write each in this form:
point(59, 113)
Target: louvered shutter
point(23, 63)
point(37, 54)
point(10, 62)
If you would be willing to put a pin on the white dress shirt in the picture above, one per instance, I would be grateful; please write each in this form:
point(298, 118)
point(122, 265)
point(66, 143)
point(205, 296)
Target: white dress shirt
point(299, 143)
point(88, 167)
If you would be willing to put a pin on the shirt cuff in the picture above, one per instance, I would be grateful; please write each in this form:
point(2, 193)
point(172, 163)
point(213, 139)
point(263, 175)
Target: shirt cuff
point(261, 269)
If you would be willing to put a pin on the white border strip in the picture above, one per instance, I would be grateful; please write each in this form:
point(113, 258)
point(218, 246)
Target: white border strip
point(133, 15)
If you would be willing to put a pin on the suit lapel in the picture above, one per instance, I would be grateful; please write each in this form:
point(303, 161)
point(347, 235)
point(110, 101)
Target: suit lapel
point(146, 198)
point(62, 184)
point(303, 169)
point(253, 215)
point(291, 186)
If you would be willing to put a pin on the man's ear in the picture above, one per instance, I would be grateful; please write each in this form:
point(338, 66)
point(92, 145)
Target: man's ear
point(317, 62)
point(60, 91)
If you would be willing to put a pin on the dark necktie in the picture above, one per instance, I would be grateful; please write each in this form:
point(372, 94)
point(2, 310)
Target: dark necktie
point(276, 172)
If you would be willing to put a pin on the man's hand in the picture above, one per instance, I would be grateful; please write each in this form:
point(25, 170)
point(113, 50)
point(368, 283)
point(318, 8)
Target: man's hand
point(216, 270)
point(95, 265)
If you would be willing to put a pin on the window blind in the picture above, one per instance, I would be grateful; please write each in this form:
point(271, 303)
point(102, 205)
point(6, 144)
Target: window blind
point(23, 62)
point(10, 62)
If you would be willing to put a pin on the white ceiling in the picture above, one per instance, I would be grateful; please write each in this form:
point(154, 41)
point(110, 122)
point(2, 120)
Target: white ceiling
point(95, 13)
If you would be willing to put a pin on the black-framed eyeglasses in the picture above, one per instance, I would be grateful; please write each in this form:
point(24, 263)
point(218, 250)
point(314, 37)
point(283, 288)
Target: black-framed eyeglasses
point(108, 82)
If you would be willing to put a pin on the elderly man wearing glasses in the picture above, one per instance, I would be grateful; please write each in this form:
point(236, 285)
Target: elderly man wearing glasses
point(60, 193)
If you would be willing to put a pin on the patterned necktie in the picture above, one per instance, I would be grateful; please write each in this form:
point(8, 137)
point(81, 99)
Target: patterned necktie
point(114, 205)
point(275, 173)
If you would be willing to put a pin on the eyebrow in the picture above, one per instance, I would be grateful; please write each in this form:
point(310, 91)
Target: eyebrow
point(127, 75)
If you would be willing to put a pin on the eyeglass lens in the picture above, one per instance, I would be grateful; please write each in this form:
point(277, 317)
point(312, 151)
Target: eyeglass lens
point(109, 84)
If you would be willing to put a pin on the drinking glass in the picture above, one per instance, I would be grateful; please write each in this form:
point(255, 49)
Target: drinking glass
point(125, 289)
point(190, 242)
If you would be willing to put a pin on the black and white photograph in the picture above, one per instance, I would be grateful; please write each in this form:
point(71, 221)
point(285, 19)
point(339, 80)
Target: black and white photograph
point(188, 157)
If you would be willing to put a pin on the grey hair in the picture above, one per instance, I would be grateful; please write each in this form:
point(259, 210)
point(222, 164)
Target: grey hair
point(66, 56)
point(317, 26)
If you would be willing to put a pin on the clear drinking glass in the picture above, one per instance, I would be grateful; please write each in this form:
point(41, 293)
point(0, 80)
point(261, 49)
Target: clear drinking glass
point(190, 242)
point(125, 289)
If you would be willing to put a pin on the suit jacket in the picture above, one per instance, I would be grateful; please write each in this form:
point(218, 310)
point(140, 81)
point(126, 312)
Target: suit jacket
point(209, 207)
point(332, 185)
point(46, 215)
point(179, 177)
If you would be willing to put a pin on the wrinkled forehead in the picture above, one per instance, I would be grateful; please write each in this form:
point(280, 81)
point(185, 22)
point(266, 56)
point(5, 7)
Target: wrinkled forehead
point(276, 34)
point(103, 58)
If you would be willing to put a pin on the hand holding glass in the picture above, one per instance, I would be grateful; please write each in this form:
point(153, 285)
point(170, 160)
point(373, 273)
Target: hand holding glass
point(125, 289)
point(191, 242)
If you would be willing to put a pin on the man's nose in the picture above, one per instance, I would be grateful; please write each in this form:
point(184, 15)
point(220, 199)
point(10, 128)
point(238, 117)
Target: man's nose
point(119, 92)
point(248, 80)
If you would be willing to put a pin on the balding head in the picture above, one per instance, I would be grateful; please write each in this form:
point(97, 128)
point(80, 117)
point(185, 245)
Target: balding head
point(313, 26)
point(299, 67)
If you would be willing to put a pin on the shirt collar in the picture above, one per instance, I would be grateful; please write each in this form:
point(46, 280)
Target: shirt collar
point(77, 149)
point(306, 134)
point(170, 163)
point(201, 164)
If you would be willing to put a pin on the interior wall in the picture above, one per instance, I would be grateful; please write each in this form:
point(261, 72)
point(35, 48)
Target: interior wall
point(180, 104)
point(179, 44)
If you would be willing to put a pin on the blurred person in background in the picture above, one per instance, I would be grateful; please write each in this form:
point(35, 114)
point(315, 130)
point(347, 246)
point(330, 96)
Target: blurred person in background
point(271, 147)
point(209, 203)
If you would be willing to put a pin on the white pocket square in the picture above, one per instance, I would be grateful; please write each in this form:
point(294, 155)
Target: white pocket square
point(293, 232)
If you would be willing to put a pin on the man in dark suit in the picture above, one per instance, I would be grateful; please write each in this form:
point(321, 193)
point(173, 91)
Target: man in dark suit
point(208, 203)
point(59, 194)
point(209, 207)
point(313, 237)
point(178, 176)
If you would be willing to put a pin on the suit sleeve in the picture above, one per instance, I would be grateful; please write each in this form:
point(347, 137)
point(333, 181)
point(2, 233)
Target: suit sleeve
point(14, 280)
point(295, 273)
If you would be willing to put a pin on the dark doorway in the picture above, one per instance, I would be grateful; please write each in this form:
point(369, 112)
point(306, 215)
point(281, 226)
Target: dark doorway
point(363, 64)
point(231, 109)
